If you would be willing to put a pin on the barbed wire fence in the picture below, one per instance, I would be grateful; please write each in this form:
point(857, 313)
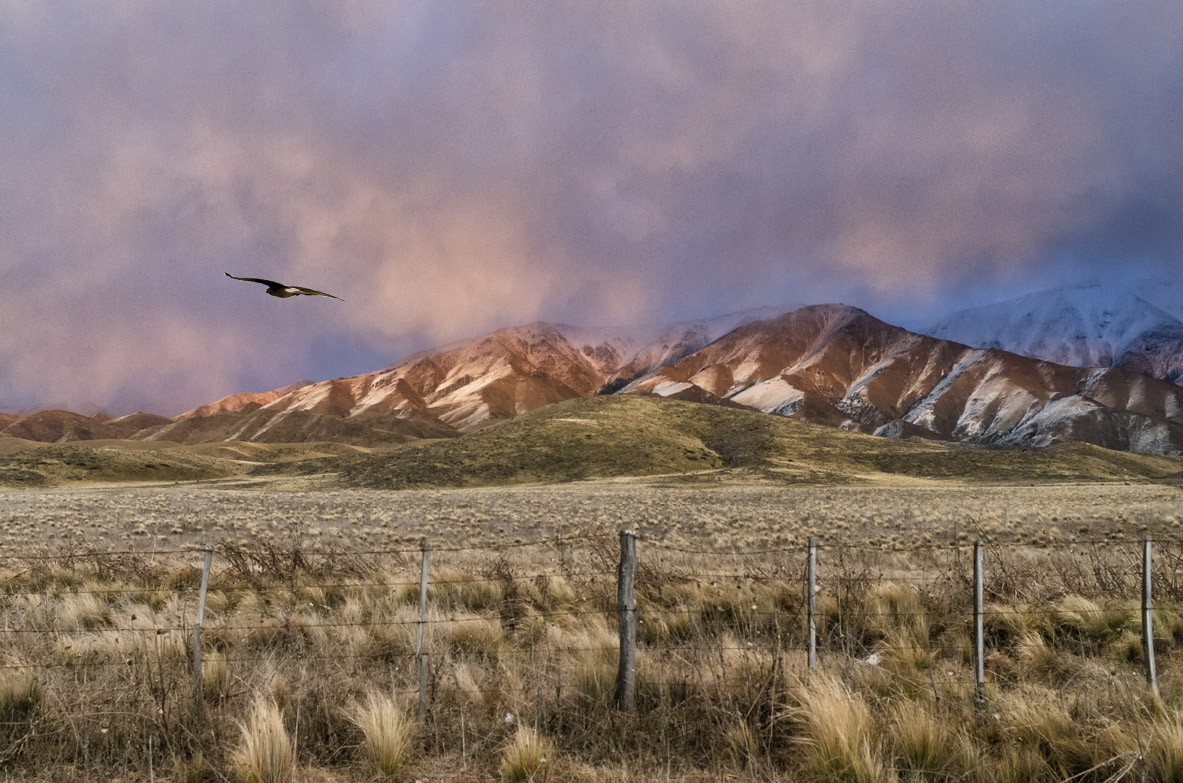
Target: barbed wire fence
point(564, 627)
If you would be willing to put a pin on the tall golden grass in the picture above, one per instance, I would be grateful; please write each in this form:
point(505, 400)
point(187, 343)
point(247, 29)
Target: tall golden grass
point(311, 657)
point(264, 753)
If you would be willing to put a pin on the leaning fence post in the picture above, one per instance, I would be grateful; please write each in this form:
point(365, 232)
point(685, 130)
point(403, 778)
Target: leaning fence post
point(205, 569)
point(420, 655)
point(1148, 615)
point(811, 602)
point(979, 636)
point(626, 608)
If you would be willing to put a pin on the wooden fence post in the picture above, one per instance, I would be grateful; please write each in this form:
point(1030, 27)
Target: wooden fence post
point(811, 602)
point(626, 609)
point(979, 635)
point(420, 655)
point(1148, 615)
point(198, 703)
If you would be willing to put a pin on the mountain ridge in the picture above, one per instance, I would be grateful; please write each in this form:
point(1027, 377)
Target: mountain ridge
point(1091, 325)
point(831, 364)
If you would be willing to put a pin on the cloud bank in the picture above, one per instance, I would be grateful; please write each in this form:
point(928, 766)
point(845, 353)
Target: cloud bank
point(453, 167)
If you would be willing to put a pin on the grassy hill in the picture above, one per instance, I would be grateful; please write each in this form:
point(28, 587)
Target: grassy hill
point(26, 463)
point(61, 463)
point(586, 438)
point(615, 436)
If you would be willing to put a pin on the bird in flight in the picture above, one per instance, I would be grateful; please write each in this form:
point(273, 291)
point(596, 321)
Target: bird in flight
point(281, 290)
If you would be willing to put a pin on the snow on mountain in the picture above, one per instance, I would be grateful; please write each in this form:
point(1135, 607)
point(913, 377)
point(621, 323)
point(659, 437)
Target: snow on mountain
point(510, 371)
point(1092, 325)
point(830, 364)
point(841, 366)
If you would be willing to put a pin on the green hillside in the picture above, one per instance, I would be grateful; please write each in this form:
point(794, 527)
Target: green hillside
point(614, 436)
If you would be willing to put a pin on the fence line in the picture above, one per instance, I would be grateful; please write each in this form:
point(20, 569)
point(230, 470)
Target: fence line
point(802, 619)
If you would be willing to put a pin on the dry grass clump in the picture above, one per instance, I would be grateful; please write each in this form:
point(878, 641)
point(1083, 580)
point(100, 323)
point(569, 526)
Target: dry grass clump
point(83, 611)
point(528, 758)
point(741, 743)
point(215, 675)
point(456, 589)
point(1034, 717)
point(265, 753)
point(1088, 620)
point(1164, 751)
point(925, 743)
point(839, 739)
point(387, 732)
point(473, 635)
point(19, 694)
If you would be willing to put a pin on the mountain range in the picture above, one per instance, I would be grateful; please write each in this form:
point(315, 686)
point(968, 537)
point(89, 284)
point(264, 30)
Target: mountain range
point(1039, 370)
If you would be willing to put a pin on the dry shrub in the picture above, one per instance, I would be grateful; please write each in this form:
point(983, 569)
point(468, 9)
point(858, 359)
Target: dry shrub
point(387, 731)
point(528, 758)
point(265, 753)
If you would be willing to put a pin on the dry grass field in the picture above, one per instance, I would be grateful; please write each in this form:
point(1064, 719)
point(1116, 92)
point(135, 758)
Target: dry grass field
point(309, 670)
point(729, 516)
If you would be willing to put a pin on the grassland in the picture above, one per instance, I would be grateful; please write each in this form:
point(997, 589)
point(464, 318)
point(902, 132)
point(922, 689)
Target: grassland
point(736, 516)
point(587, 439)
point(601, 437)
point(309, 670)
point(308, 665)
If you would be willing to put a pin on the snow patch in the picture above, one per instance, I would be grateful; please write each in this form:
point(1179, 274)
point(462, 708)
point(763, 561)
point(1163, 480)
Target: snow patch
point(923, 412)
point(775, 395)
point(670, 388)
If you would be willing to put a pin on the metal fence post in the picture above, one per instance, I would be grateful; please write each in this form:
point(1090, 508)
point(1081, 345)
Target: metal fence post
point(1148, 614)
point(626, 608)
point(811, 602)
point(205, 569)
point(420, 655)
point(979, 635)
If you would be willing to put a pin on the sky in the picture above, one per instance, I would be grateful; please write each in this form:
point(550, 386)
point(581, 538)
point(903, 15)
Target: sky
point(452, 167)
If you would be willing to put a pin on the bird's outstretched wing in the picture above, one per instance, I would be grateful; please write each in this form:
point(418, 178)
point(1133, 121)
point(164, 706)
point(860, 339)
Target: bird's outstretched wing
point(313, 292)
point(268, 283)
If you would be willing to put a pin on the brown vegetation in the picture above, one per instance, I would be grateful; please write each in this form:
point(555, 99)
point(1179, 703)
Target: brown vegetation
point(309, 671)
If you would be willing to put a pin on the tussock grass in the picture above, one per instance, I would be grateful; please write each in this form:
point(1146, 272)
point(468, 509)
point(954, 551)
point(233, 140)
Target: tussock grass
point(528, 758)
point(473, 635)
point(215, 675)
point(722, 687)
point(741, 744)
point(924, 743)
point(264, 753)
point(387, 732)
point(1164, 751)
point(20, 691)
point(838, 738)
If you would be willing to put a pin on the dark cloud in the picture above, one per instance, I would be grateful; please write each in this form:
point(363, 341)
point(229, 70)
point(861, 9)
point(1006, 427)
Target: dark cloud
point(452, 167)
